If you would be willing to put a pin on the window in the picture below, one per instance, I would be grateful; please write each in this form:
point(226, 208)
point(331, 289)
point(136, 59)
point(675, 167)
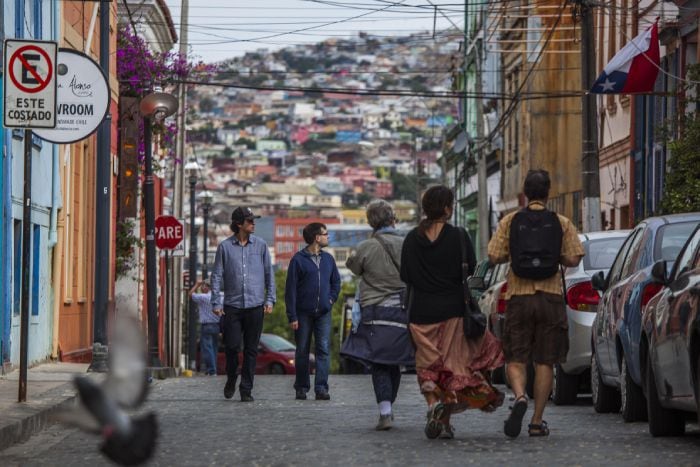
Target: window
point(19, 18)
point(670, 239)
point(341, 255)
point(615, 269)
point(280, 231)
point(685, 259)
point(36, 268)
point(17, 272)
point(635, 259)
point(600, 254)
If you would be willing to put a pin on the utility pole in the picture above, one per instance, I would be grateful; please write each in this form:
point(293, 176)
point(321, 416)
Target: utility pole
point(102, 212)
point(589, 124)
point(178, 198)
point(482, 180)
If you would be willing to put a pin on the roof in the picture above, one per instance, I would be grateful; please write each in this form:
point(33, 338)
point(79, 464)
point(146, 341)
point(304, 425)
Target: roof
point(168, 19)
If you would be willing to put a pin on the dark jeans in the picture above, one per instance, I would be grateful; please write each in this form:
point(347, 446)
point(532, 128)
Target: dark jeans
point(320, 327)
point(386, 380)
point(242, 325)
point(209, 346)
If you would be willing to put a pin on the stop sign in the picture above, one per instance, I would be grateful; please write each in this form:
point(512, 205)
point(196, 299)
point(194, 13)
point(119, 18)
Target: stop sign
point(169, 232)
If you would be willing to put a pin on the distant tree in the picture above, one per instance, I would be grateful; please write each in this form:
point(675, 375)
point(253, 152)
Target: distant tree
point(363, 199)
point(227, 152)
point(249, 143)
point(404, 186)
point(682, 184)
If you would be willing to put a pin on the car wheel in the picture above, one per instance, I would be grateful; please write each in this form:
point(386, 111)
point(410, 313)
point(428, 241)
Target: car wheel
point(605, 398)
point(275, 369)
point(632, 401)
point(565, 387)
point(662, 421)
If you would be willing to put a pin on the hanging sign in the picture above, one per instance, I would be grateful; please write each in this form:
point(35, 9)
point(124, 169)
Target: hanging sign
point(82, 100)
point(30, 88)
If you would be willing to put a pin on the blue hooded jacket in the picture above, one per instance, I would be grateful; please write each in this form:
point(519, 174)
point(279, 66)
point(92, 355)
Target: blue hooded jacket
point(310, 288)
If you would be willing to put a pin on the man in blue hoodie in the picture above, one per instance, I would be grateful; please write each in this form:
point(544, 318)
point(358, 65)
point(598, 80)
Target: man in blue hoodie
point(313, 285)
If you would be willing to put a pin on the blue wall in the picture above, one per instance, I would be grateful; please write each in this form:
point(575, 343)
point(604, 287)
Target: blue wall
point(30, 19)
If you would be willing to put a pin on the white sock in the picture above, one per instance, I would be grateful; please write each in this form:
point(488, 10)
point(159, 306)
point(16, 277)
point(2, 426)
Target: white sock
point(385, 408)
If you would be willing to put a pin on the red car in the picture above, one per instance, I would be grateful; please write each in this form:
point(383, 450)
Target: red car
point(275, 356)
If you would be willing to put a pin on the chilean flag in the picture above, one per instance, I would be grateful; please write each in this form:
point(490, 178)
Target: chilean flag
point(634, 68)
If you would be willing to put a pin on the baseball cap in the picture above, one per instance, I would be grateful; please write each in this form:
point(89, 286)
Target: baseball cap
point(241, 214)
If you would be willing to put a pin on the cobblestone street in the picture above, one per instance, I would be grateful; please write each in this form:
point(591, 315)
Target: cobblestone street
point(200, 427)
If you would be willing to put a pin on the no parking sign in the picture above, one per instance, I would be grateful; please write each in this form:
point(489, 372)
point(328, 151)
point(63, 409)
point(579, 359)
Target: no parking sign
point(30, 87)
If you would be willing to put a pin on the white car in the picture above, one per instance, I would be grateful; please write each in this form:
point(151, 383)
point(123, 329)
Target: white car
point(581, 305)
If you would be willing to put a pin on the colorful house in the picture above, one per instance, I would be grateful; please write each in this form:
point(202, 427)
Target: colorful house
point(22, 22)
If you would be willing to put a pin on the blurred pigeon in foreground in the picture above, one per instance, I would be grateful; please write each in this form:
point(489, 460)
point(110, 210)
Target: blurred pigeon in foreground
point(101, 409)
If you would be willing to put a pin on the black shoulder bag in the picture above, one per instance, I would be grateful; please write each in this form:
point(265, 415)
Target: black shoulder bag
point(474, 319)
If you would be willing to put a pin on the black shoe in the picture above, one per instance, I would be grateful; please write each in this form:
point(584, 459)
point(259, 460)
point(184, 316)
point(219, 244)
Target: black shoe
point(246, 398)
point(301, 395)
point(230, 388)
point(323, 396)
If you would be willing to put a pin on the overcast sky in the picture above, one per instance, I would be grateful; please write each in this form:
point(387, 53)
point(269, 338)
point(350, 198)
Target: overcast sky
point(221, 29)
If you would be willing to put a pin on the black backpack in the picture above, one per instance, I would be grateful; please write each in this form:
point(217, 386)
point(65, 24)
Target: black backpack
point(535, 244)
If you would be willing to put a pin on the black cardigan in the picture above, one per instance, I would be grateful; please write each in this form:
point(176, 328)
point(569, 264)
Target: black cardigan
point(433, 271)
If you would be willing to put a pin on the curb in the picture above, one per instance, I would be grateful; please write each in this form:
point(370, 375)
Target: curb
point(20, 430)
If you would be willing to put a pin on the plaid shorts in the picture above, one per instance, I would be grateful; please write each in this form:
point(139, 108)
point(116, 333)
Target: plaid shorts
point(536, 329)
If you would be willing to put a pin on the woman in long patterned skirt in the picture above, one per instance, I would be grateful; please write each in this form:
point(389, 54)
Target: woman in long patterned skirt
point(452, 371)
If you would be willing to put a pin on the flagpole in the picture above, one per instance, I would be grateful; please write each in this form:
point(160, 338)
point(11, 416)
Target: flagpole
point(589, 124)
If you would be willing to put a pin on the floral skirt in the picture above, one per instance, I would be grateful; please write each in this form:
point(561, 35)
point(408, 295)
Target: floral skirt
point(453, 369)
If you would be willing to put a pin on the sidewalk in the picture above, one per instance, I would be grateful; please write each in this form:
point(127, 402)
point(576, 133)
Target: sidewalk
point(49, 386)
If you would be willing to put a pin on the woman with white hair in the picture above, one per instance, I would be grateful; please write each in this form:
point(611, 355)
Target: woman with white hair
point(381, 341)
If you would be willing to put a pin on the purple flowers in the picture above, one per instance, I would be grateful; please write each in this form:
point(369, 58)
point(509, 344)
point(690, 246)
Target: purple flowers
point(139, 70)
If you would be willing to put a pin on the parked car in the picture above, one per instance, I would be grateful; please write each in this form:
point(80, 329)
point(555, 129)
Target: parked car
point(478, 282)
point(615, 370)
point(581, 305)
point(670, 348)
point(491, 282)
point(275, 356)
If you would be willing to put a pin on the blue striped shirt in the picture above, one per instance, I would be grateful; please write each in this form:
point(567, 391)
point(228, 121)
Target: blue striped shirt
point(243, 274)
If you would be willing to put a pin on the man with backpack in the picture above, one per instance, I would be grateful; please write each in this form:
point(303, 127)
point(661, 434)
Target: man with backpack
point(537, 243)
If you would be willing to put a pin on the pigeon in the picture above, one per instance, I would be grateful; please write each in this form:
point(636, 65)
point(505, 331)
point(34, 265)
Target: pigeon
point(102, 407)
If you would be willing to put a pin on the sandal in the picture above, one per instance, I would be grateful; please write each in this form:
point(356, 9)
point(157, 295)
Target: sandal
point(434, 426)
point(514, 424)
point(538, 430)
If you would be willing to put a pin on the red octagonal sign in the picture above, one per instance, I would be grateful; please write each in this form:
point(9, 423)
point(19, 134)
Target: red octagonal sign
point(169, 232)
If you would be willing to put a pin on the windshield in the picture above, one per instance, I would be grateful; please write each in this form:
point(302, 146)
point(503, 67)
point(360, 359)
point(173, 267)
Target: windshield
point(600, 254)
point(276, 343)
point(671, 238)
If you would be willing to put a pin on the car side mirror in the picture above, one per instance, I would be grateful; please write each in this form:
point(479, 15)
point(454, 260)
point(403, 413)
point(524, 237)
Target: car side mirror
point(476, 283)
point(659, 272)
point(598, 281)
point(261, 349)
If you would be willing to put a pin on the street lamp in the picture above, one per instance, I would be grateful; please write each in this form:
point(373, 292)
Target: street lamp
point(192, 172)
point(206, 199)
point(157, 106)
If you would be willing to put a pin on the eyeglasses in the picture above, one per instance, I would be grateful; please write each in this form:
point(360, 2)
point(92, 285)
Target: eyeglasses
point(323, 234)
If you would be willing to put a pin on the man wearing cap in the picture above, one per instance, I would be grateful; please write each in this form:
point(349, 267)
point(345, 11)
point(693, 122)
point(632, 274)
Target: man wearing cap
point(243, 271)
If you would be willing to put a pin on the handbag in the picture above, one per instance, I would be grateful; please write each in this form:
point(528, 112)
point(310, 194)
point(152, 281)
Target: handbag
point(474, 320)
